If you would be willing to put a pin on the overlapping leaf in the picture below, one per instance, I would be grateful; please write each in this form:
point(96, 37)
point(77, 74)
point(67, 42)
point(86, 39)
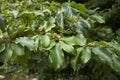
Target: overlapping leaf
point(103, 54)
point(26, 41)
point(79, 6)
point(2, 23)
point(17, 49)
point(49, 24)
point(107, 56)
point(66, 47)
point(56, 56)
point(8, 53)
point(2, 48)
point(75, 40)
point(75, 60)
point(86, 55)
point(45, 40)
point(60, 19)
point(97, 18)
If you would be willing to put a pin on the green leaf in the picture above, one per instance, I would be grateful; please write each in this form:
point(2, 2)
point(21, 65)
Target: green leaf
point(75, 40)
point(106, 55)
point(103, 54)
point(27, 17)
point(85, 23)
point(51, 45)
point(80, 7)
point(115, 46)
point(2, 48)
point(21, 28)
point(116, 63)
point(19, 31)
point(86, 55)
point(79, 50)
point(97, 18)
point(76, 58)
point(81, 28)
point(60, 19)
point(80, 40)
point(66, 47)
point(49, 24)
point(45, 40)
point(56, 56)
point(70, 19)
point(17, 49)
point(68, 40)
point(8, 52)
point(2, 23)
point(26, 41)
point(67, 10)
point(36, 41)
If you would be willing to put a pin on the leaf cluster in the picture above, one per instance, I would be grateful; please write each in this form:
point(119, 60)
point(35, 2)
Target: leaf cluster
point(43, 38)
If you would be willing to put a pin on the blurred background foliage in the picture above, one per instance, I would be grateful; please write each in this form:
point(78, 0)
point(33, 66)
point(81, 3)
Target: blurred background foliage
point(100, 27)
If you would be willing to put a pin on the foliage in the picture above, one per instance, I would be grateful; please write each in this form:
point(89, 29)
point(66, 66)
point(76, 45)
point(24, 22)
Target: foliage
point(110, 9)
point(56, 40)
